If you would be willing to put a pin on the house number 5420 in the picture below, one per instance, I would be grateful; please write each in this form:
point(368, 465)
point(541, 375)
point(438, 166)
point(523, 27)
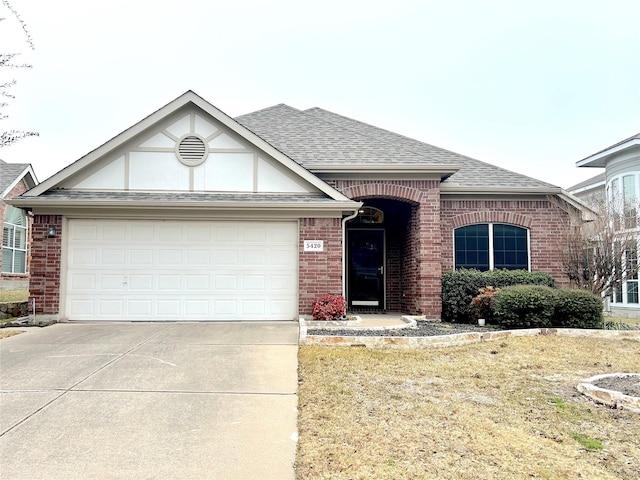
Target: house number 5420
point(313, 245)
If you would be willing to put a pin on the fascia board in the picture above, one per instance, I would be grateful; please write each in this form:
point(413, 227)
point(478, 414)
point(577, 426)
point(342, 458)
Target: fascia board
point(452, 190)
point(588, 213)
point(364, 169)
point(600, 159)
point(592, 186)
point(51, 205)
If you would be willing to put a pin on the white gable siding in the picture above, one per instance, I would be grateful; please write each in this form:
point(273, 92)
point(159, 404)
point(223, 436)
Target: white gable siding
point(229, 164)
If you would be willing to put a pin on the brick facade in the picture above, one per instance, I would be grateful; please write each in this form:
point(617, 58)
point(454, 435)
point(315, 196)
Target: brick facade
point(44, 287)
point(417, 253)
point(546, 224)
point(11, 281)
point(319, 272)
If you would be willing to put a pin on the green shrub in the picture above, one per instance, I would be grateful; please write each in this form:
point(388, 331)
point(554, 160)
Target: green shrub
point(459, 287)
point(525, 306)
point(577, 309)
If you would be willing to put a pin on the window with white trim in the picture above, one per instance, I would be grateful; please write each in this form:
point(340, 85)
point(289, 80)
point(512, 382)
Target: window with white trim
point(488, 246)
point(14, 241)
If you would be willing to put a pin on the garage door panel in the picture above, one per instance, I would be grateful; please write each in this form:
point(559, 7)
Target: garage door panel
point(169, 308)
point(112, 283)
point(146, 270)
point(141, 283)
point(110, 307)
point(112, 257)
point(169, 283)
point(198, 257)
point(83, 282)
point(141, 257)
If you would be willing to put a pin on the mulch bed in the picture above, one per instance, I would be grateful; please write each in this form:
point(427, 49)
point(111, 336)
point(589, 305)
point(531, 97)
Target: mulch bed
point(423, 329)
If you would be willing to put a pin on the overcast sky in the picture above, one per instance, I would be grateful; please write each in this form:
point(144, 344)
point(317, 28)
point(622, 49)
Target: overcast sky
point(529, 85)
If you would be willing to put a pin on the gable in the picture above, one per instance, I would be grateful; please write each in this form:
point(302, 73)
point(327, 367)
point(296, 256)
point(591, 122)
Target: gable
point(15, 178)
point(189, 151)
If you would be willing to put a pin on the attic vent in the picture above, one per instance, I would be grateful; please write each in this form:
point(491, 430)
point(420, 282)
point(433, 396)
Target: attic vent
point(191, 150)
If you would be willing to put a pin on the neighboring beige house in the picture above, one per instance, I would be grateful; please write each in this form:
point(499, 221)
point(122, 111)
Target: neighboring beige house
point(618, 186)
point(15, 179)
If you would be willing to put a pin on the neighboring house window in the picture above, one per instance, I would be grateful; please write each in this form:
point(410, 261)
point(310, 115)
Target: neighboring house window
point(14, 241)
point(623, 194)
point(487, 246)
point(630, 199)
point(627, 292)
point(632, 283)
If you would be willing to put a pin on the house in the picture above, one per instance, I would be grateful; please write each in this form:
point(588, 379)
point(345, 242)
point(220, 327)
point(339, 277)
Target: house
point(618, 187)
point(193, 215)
point(15, 179)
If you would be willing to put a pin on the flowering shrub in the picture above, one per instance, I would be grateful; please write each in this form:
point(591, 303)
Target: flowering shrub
point(482, 305)
point(329, 307)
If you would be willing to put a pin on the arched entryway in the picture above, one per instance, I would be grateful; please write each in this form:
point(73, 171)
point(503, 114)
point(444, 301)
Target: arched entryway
point(380, 255)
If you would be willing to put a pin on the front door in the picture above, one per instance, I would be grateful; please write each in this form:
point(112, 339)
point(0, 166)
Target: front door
point(366, 268)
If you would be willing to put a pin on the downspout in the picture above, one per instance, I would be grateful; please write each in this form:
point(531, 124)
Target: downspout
point(344, 249)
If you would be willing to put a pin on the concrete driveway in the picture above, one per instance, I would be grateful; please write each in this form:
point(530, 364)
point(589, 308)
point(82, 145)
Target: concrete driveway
point(149, 401)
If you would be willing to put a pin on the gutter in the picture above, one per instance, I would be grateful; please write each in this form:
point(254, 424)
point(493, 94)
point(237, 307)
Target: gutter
point(344, 249)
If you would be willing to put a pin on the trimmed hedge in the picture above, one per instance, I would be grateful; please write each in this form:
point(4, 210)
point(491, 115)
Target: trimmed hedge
point(535, 306)
point(525, 306)
point(459, 287)
point(577, 309)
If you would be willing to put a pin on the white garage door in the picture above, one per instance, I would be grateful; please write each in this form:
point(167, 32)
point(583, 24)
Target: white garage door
point(173, 270)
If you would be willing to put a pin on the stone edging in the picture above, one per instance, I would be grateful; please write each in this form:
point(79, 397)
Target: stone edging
point(610, 398)
point(457, 338)
point(306, 325)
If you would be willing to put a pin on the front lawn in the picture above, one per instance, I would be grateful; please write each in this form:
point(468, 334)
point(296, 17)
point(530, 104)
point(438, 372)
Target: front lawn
point(493, 410)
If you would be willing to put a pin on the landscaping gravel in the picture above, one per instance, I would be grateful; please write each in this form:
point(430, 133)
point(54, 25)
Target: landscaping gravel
point(423, 329)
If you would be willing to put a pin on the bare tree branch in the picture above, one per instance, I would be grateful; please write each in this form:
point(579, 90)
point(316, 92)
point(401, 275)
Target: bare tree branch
point(601, 255)
point(6, 60)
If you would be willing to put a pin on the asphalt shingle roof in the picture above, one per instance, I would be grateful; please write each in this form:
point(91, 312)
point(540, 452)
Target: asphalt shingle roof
point(317, 137)
point(191, 197)
point(601, 177)
point(9, 172)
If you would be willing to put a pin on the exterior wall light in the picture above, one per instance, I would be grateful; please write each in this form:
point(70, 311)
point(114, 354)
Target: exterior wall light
point(51, 232)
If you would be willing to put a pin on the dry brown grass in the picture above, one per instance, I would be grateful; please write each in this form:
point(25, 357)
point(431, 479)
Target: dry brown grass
point(8, 333)
point(495, 410)
point(14, 295)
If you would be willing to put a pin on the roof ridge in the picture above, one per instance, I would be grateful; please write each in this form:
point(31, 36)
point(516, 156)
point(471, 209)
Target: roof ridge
point(266, 109)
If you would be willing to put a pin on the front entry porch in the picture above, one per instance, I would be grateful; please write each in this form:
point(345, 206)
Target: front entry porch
point(380, 256)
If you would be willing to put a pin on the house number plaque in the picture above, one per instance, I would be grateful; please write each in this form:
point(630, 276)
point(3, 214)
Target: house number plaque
point(314, 245)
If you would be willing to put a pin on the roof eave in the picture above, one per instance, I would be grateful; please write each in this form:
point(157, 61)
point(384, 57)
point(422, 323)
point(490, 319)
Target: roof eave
point(492, 190)
point(600, 159)
point(364, 171)
point(59, 206)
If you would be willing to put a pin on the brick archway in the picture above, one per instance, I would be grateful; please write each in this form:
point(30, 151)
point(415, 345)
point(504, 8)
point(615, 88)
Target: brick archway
point(487, 216)
point(389, 191)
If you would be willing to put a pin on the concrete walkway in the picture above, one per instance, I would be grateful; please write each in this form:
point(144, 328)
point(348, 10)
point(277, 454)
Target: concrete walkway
point(148, 401)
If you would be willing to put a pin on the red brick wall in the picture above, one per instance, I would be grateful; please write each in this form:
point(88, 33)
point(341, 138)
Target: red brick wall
point(544, 221)
point(19, 189)
point(44, 285)
point(320, 272)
